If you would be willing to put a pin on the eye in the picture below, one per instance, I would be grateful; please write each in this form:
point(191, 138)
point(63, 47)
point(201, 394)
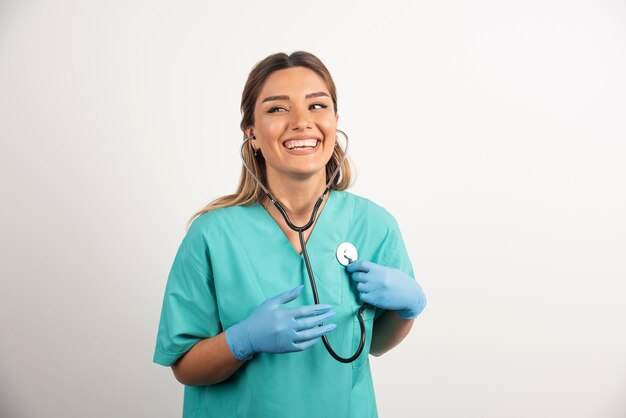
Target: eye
point(317, 106)
point(275, 109)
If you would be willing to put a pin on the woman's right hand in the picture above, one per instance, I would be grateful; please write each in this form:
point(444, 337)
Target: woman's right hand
point(274, 329)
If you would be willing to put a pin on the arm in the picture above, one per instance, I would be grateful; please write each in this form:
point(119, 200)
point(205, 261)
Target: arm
point(269, 329)
point(208, 362)
point(389, 289)
point(389, 331)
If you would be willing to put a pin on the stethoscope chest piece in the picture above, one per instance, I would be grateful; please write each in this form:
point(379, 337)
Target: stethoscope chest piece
point(346, 253)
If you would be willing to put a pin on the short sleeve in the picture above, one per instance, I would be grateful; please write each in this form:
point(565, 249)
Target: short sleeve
point(395, 253)
point(189, 311)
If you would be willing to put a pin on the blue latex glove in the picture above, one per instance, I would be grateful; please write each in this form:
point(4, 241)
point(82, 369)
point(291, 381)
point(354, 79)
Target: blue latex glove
point(388, 288)
point(274, 329)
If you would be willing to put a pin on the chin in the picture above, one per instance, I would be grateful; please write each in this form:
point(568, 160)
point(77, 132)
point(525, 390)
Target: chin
point(306, 172)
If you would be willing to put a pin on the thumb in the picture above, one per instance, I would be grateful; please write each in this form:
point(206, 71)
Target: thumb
point(287, 296)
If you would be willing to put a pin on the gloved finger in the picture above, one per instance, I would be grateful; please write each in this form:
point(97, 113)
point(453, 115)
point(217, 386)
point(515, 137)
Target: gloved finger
point(285, 297)
point(359, 276)
point(308, 310)
point(312, 333)
point(364, 287)
point(312, 321)
point(367, 298)
point(306, 344)
point(359, 266)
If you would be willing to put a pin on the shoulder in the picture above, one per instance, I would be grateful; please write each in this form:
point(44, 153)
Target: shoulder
point(216, 217)
point(366, 209)
point(215, 222)
point(378, 233)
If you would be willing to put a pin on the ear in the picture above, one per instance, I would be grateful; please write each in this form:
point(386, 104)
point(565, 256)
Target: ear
point(337, 118)
point(249, 131)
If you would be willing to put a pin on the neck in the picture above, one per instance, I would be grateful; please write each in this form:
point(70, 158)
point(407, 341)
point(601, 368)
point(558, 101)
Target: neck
point(297, 195)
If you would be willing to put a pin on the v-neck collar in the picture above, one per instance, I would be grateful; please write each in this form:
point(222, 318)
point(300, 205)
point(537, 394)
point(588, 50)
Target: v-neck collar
point(321, 221)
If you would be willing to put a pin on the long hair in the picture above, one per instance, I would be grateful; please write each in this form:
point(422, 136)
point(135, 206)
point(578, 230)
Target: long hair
point(248, 191)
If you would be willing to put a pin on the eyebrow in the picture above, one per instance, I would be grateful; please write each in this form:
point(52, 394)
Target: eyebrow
point(308, 96)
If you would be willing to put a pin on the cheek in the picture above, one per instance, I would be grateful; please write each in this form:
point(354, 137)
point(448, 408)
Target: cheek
point(329, 144)
point(269, 127)
point(328, 125)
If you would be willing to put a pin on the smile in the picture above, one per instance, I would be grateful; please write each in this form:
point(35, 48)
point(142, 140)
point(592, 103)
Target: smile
point(296, 144)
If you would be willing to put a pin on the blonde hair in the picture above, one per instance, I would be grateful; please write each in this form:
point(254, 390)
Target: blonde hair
point(248, 190)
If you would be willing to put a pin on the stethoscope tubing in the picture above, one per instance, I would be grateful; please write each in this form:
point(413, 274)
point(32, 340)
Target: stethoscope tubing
point(300, 230)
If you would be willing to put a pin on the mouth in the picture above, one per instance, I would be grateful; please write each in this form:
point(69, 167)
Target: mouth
point(301, 144)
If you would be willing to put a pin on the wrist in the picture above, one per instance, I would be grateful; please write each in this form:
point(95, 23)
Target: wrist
point(239, 342)
point(418, 303)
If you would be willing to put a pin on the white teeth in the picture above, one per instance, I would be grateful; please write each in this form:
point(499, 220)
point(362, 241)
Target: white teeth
point(300, 144)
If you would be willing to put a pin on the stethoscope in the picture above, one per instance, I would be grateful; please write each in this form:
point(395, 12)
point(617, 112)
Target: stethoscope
point(346, 252)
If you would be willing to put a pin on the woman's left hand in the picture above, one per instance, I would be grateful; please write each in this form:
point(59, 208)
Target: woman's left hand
point(388, 288)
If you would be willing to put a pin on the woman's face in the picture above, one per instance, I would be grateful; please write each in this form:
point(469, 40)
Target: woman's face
point(295, 123)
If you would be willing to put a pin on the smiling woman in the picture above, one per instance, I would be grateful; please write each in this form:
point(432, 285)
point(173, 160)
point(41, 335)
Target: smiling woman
point(225, 328)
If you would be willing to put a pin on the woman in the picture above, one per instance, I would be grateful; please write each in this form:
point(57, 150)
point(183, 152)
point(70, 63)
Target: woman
point(239, 325)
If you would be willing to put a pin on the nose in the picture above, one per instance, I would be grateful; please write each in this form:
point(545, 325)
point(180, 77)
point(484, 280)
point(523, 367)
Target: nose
point(300, 118)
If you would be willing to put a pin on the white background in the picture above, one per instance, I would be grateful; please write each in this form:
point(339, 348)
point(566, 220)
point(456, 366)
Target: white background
point(494, 131)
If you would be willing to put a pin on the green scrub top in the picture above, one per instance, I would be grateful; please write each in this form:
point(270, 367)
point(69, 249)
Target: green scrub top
point(230, 261)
